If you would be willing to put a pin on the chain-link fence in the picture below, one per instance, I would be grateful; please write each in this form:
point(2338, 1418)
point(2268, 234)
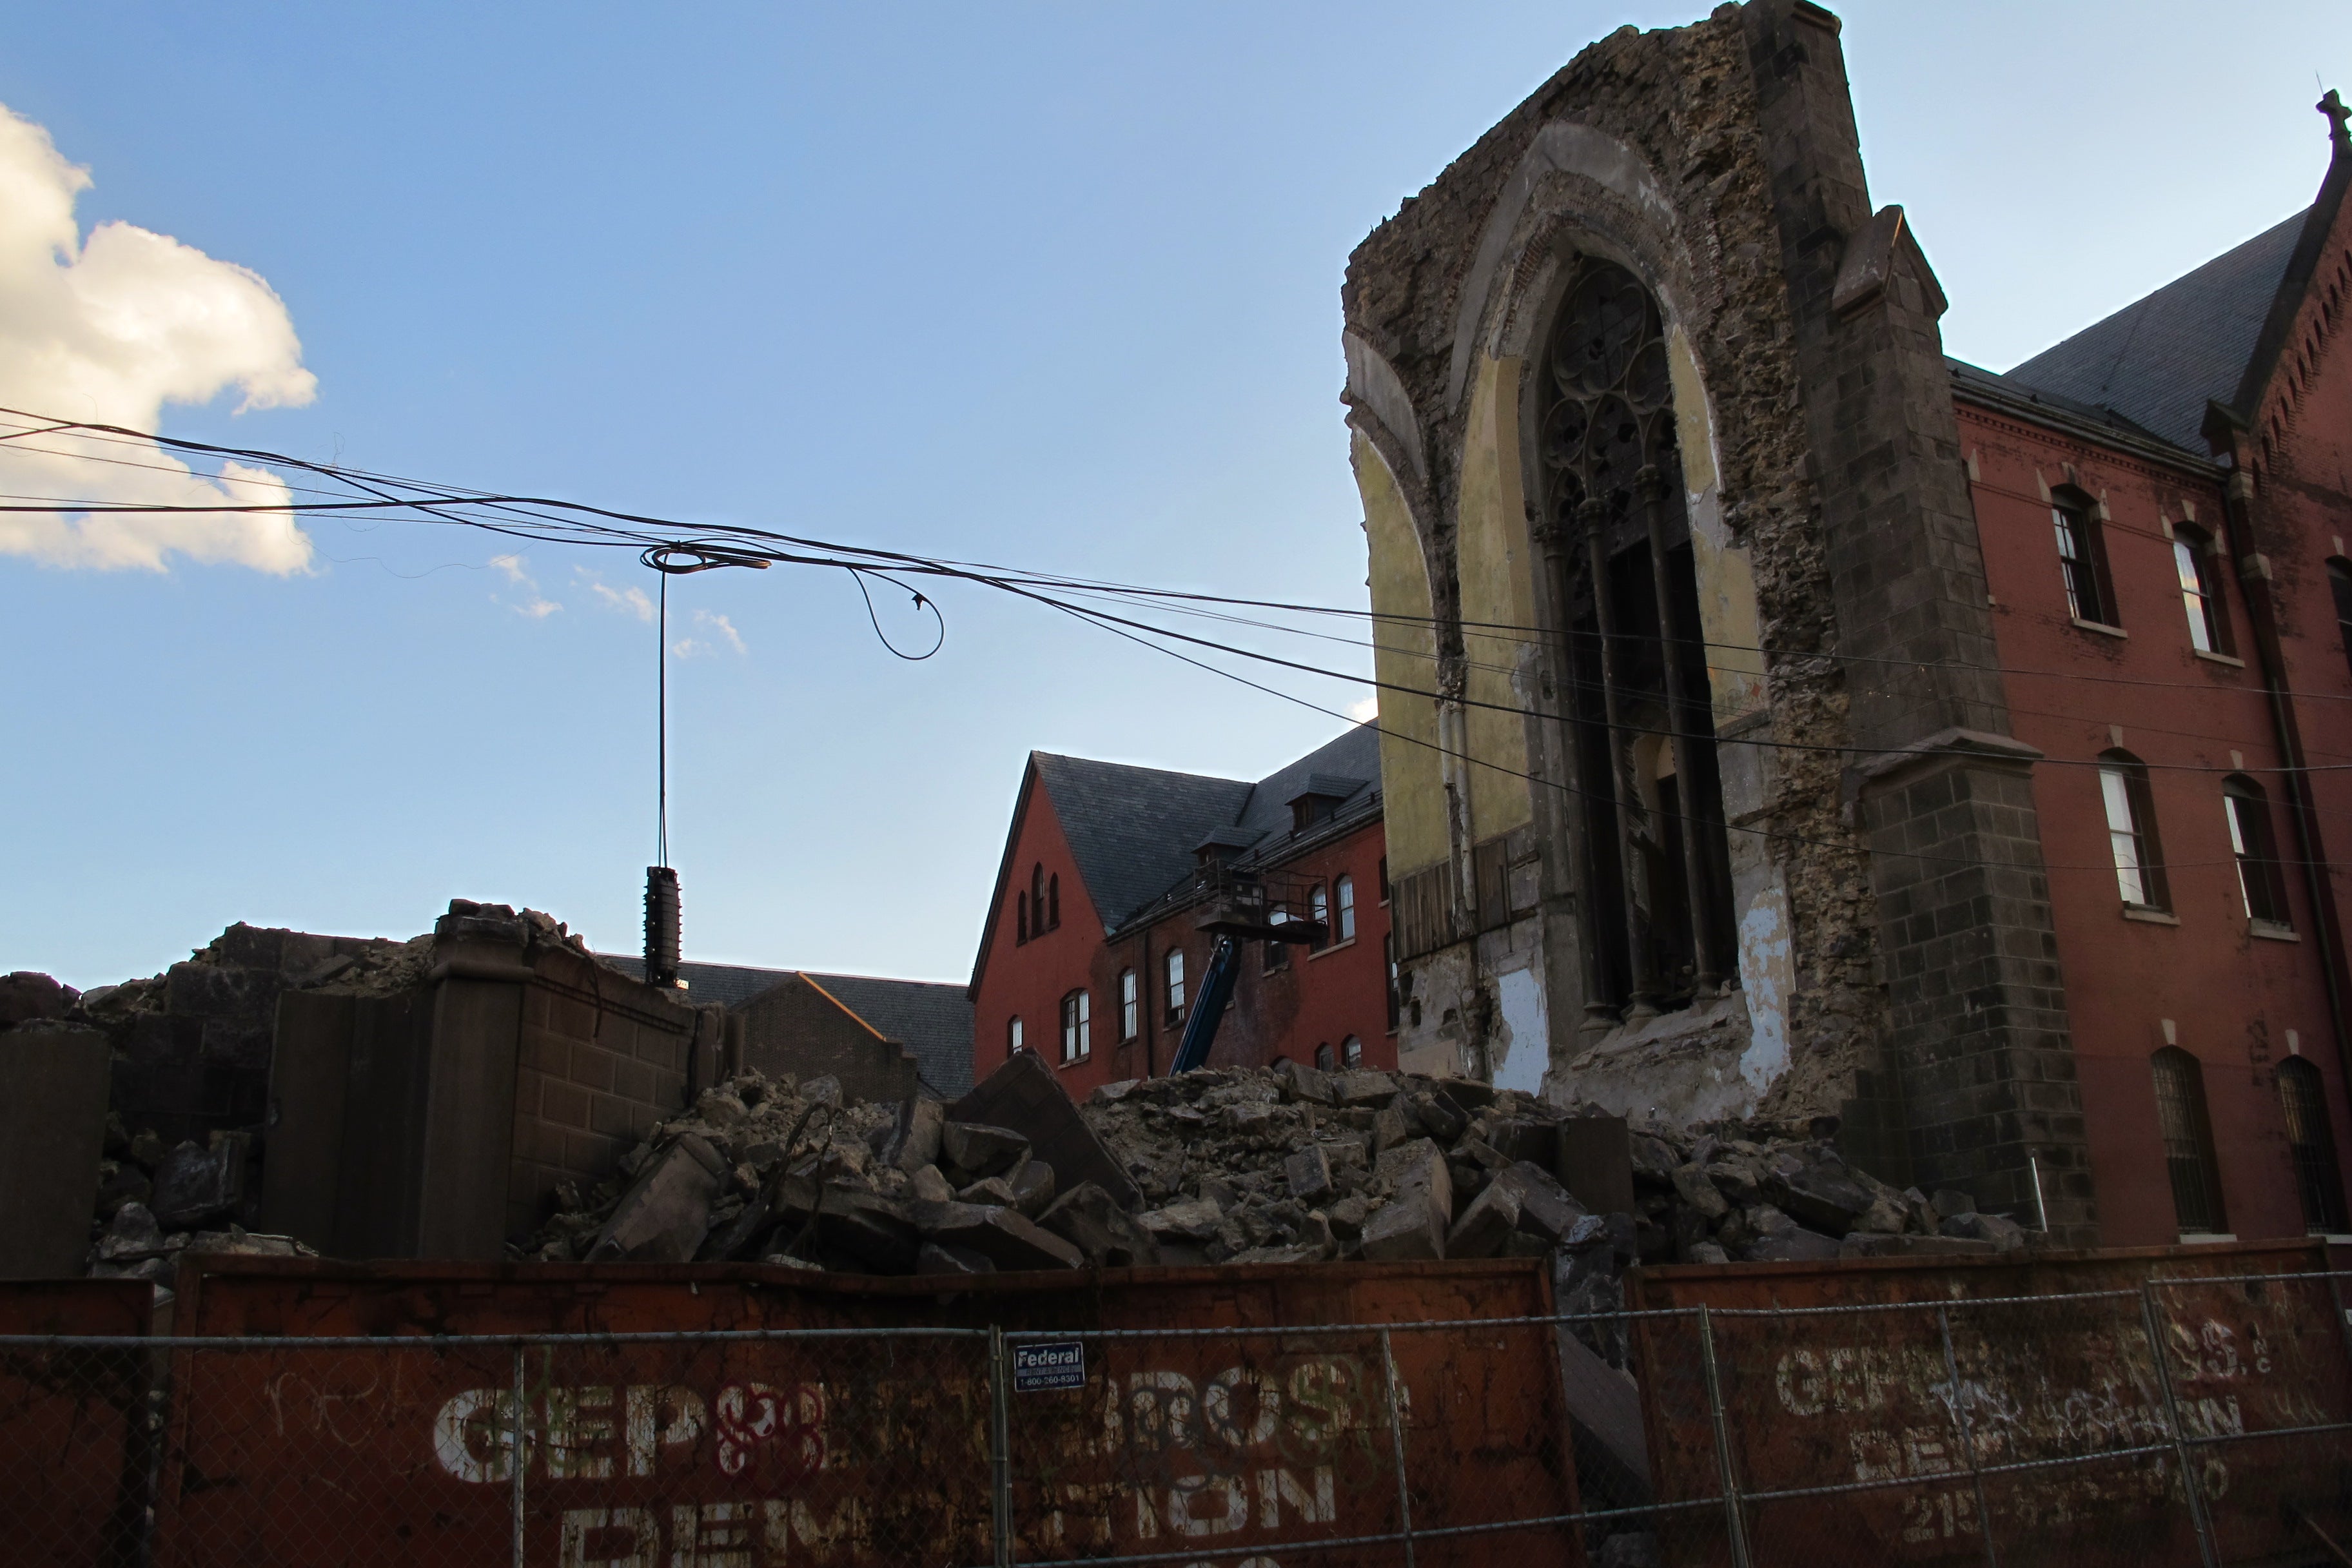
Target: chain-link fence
point(2205, 1421)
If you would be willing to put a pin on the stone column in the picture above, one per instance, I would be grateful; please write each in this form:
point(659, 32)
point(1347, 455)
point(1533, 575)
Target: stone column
point(1981, 1051)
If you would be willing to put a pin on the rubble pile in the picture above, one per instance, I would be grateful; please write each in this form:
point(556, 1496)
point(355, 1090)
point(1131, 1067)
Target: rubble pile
point(155, 1203)
point(1286, 1166)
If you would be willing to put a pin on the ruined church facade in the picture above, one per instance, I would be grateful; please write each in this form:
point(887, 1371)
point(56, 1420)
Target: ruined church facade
point(1702, 793)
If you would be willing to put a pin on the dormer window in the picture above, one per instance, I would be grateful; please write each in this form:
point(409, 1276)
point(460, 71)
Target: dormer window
point(1322, 797)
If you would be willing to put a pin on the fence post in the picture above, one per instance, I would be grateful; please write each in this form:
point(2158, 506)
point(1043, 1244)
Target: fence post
point(517, 1452)
point(999, 1446)
point(1967, 1436)
point(1732, 1518)
point(2188, 1483)
point(1396, 1442)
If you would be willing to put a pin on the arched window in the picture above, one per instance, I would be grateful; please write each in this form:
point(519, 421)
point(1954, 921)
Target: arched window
point(2200, 590)
point(1344, 893)
point(2260, 884)
point(2312, 1146)
point(1054, 902)
point(1175, 967)
point(1318, 910)
point(1012, 1036)
point(1129, 1013)
point(2339, 582)
point(2083, 558)
point(1078, 1027)
point(1020, 927)
point(2188, 1141)
point(1323, 1057)
point(1351, 1051)
point(1621, 580)
point(1037, 926)
point(1277, 953)
point(2131, 831)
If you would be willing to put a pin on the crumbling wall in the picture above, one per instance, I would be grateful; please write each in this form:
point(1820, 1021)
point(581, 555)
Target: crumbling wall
point(1718, 162)
point(1649, 145)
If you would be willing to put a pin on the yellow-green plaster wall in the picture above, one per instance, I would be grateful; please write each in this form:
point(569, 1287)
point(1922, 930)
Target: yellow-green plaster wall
point(1726, 579)
point(1498, 585)
point(1413, 786)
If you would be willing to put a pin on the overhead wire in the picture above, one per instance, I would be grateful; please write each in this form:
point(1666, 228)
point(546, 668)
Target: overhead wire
point(573, 523)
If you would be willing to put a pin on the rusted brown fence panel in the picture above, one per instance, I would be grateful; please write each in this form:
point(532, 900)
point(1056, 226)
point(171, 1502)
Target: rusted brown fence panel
point(77, 1418)
point(1983, 1413)
point(727, 1417)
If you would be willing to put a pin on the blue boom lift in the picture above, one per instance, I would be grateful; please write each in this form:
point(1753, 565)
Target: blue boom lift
point(1238, 913)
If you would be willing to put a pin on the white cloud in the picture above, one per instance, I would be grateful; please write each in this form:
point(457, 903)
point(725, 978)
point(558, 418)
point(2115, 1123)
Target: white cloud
point(1366, 709)
point(723, 626)
point(628, 601)
point(536, 606)
point(108, 330)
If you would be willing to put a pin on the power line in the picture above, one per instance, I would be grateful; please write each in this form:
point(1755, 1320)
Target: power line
point(578, 523)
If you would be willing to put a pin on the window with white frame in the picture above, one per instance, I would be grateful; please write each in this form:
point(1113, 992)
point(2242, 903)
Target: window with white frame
point(2260, 885)
point(2131, 830)
point(1318, 910)
point(1127, 1009)
point(2200, 591)
point(1012, 1036)
point(1175, 967)
point(1343, 893)
point(1078, 1027)
point(2082, 558)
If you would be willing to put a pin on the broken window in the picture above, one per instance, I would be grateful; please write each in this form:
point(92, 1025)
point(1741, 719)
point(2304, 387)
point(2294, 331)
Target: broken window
point(2260, 885)
point(1323, 1057)
point(2131, 831)
point(1175, 984)
point(2188, 1141)
point(1617, 543)
point(2083, 558)
point(1343, 893)
point(1078, 1027)
point(1127, 1010)
point(2312, 1146)
point(2200, 591)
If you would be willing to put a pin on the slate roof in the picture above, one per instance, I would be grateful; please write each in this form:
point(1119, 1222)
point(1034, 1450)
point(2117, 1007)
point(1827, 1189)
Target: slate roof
point(932, 1019)
point(2158, 360)
point(1133, 830)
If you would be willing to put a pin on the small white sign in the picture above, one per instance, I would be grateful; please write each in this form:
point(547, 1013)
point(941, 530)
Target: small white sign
point(1049, 1364)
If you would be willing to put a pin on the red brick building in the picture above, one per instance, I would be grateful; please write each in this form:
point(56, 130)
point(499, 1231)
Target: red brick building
point(1091, 957)
point(2163, 502)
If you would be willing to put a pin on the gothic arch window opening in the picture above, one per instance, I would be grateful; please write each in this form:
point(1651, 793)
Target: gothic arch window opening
point(1617, 547)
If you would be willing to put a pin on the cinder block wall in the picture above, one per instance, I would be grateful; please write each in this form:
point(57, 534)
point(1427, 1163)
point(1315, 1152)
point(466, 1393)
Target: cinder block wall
point(434, 1121)
point(603, 1058)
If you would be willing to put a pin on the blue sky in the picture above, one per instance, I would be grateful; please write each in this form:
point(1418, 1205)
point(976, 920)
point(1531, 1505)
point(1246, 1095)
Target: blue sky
point(1054, 285)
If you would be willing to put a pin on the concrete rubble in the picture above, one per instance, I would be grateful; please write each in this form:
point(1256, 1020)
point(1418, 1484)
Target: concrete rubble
point(1286, 1166)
